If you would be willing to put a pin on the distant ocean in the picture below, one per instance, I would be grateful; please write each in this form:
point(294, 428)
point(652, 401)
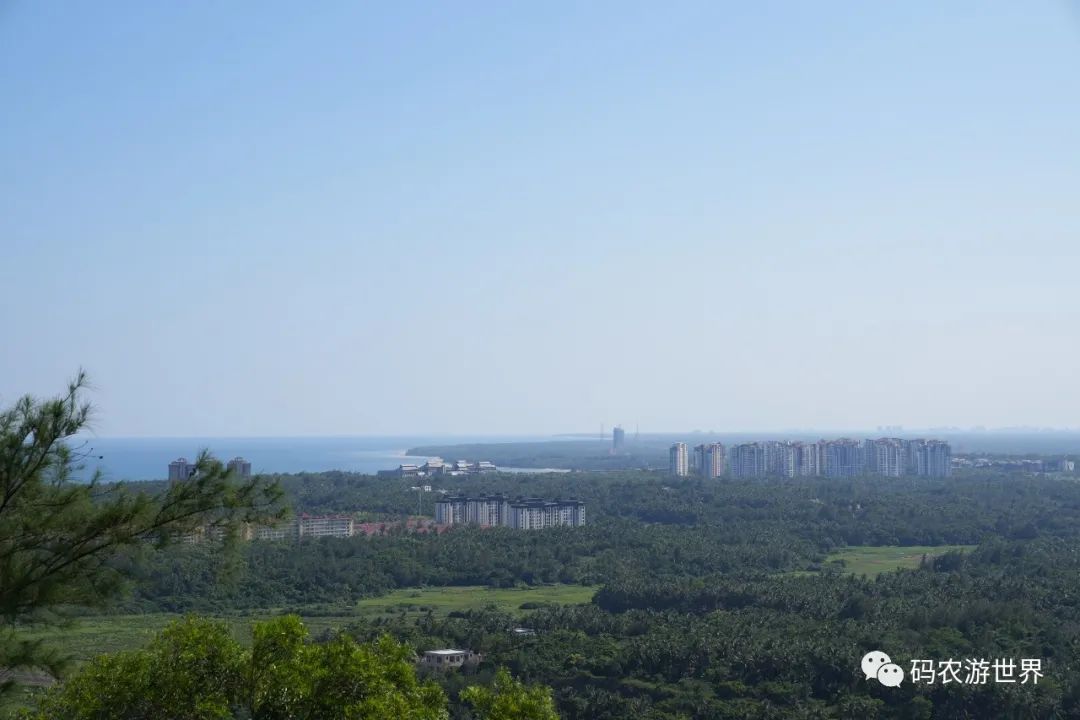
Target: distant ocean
point(149, 458)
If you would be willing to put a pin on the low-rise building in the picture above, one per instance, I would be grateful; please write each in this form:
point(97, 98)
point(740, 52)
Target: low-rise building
point(313, 526)
point(284, 531)
point(434, 466)
point(324, 526)
point(448, 659)
point(437, 467)
point(305, 526)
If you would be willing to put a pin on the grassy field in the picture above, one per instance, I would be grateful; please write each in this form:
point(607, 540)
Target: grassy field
point(89, 636)
point(447, 599)
point(871, 561)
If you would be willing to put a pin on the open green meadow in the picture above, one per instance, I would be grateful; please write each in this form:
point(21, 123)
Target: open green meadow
point(448, 599)
point(85, 637)
point(871, 561)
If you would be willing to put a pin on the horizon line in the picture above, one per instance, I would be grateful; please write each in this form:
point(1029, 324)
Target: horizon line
point(893, 430)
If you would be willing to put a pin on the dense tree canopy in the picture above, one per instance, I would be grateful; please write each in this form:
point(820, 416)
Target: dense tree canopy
point(716, 600)
point(509, 699)
point(789, 646)
point(640, 526)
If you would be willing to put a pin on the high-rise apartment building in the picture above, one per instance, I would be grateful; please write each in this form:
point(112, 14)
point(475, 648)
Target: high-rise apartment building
point(487, 511)
point(679, 460)
point(181, 470)
point(536, 514)
point(939, 463)
point(929, 458)
point(747, 460)
point(451, 510)
point(843, 457)
point(887, 456)
point(709, 459)
point(240, 466)
point(496, 511)
point(781, 458)
point(618, 438)
point(808, 459)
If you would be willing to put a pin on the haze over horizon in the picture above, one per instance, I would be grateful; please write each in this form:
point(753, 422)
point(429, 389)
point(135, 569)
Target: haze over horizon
point(765, 433)
point(281, 220)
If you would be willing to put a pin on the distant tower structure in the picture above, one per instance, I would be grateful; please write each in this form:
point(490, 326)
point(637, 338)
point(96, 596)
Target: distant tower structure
point(180, 470)
point(240, 466)
point(618, 439)
point(679, 460)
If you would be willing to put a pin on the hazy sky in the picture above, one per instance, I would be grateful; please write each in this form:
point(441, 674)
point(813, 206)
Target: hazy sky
point(284, 218)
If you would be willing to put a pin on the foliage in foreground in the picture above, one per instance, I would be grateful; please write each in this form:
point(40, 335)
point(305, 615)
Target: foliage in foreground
point(509, 699)
point(59, 537)
point(195, 670)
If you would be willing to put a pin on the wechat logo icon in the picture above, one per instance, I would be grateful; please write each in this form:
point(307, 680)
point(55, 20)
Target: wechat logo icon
point(876, 664)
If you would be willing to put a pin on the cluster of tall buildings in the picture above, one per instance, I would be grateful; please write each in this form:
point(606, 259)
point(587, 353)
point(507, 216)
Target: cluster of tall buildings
point(181, 470)
point(500, 511)
point(890, 457)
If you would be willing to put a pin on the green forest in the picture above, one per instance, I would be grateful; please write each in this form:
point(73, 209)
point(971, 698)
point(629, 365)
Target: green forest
point(680, 599)
point(713, 599)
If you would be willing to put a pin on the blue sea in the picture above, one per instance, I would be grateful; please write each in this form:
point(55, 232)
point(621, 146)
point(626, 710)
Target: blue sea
point(149, 458)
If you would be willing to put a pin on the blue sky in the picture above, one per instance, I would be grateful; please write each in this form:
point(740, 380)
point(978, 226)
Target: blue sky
point(302, 218)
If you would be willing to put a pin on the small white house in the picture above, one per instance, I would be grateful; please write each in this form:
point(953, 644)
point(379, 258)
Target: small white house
point(448, 659)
